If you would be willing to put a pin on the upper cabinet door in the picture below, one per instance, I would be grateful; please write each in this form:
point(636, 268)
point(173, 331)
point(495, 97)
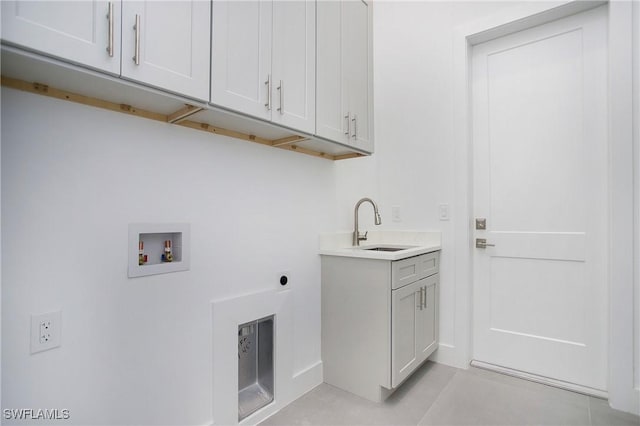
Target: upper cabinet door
point(84, 32)
point(241, 76)
point(344, 83)
point(331, 106)
point(166, 44)
point(294, 64)
point(357, 71)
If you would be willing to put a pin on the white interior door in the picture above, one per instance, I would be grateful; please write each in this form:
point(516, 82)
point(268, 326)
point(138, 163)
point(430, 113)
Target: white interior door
point(540, 180)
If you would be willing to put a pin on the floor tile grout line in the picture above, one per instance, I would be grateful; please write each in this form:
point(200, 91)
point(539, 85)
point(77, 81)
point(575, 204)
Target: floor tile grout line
point(438, 397)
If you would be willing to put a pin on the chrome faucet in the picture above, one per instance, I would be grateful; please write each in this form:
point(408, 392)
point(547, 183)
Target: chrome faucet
point(357, 236)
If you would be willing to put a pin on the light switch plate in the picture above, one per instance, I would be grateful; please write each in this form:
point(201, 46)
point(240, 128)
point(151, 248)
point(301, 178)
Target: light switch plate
point(443, 211)
point(395, 214)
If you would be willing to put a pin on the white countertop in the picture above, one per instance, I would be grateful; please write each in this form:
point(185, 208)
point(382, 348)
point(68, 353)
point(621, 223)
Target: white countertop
point(417, 242)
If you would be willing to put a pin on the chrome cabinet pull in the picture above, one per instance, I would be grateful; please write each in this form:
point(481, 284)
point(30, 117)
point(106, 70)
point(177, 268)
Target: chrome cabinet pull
point(425, 297)
point(110, 19)
point(136, 27)
point(348, 118)
point(420, 301)
point(268, 84)
point(281, 90)
point(355, 127)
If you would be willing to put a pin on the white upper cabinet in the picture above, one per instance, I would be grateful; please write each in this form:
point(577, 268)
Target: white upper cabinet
point(166, 44)
point(332, 99)
point(263, 60)
point(344, 84)
point(84, 32)
point(160, 43)
point(357, 72)
point(241, 56)
point(294, 64)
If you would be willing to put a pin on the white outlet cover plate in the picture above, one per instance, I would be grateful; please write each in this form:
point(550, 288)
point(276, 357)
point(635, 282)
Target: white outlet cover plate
point(443, 211)
point(55, 319)
point(395, 214)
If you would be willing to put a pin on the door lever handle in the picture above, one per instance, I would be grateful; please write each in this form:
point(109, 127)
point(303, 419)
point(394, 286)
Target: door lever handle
point(482, 243)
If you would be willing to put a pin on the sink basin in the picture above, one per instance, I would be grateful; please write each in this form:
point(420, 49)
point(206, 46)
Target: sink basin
point(390, 248)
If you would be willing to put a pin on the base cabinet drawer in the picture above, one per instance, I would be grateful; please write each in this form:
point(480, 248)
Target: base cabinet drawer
point(406, 271)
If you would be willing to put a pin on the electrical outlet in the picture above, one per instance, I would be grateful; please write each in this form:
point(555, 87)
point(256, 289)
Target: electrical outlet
point(45, 331)
point(44, 334)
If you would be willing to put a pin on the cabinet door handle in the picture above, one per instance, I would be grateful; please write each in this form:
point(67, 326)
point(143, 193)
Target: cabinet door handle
point(268, 84)
point(110, 19)
point(281, 91)
point(355, 127)
point(136, 27)
point(348, 118)
point(420, 301)
point(425, 296)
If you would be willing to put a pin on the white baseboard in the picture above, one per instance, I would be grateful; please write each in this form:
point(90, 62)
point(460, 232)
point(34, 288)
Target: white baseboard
point(449, 355)
point(307, 379)
point(627, 402)
point(541, 379)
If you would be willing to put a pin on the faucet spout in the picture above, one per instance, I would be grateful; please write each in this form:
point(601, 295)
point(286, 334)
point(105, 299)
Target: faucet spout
point(357, 237)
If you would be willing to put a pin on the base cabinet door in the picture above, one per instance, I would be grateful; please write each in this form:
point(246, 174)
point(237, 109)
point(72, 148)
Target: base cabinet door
point(166, 44)
point(413, 326)
point(84, 32)
point(405, 331)
point(427, 319)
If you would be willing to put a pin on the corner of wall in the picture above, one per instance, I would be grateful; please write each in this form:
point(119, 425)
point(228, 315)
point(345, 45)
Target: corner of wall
point(623, 391)
point(636, 148)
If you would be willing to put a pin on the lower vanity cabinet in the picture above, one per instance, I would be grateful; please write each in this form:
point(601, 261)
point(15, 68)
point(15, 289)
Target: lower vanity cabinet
point(379, 321)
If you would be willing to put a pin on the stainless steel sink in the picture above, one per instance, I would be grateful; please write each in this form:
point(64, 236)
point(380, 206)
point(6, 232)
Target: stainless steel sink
point(385, 248)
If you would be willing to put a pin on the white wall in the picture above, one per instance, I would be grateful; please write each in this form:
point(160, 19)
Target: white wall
point(413, 164)
point(636, 137)
point(138, 351)
point(415, 134)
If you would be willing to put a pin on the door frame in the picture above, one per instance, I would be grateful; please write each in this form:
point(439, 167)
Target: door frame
point(622, 393)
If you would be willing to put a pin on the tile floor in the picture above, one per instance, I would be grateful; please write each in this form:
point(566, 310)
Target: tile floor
point(441, 395)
